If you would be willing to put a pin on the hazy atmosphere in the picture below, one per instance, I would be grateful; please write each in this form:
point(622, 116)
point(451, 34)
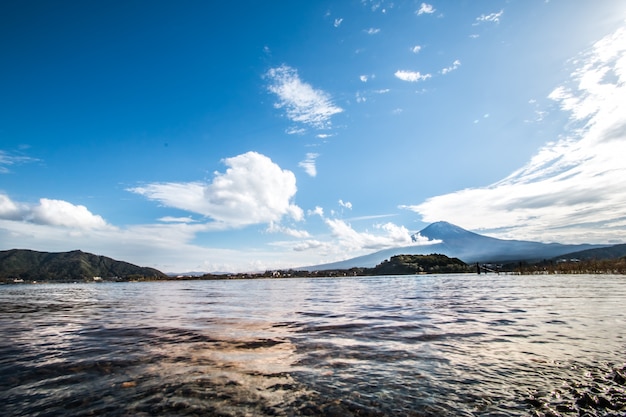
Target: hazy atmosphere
point(245, 136)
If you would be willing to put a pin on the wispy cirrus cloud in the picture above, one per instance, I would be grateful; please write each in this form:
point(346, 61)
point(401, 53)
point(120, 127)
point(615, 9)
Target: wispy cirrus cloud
point(411, 76)
point(302, 103)
point(253, 190)
point(8, 159)
point(572, 190)
point(308, 164)
point(171, 219)
point(491, 17)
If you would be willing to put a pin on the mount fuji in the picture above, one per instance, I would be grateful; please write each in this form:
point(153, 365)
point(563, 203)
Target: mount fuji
point(470, 247)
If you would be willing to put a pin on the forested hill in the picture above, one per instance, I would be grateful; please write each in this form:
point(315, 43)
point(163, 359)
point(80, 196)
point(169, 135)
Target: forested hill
point(29, 265)
point(420, 264)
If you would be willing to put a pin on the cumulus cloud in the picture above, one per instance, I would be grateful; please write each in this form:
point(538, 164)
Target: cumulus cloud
point(572, 190)
point(52, 213)
point(253, 190)
point(317, 211)
point(389, 235)
point(62, 213)
point(348, 242)
point(456, 64)
point(425, 8)
point(491, 17)
point(302, 103)
point(411, 76)
point(416, 49)
point(10, 210)
point(309, 164)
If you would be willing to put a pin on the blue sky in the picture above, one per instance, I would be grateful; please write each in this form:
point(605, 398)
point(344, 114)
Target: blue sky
point(239, 136)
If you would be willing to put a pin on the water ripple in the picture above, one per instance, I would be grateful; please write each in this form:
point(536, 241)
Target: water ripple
point(409, 346)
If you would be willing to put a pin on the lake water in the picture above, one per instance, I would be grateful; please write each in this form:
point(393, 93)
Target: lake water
point(431, 345)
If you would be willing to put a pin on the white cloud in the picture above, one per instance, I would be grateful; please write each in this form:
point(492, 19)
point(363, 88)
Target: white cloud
point(10, 210)
point(167, 247)
point(572, 190)
point(293, 130)
point(171, 219)
point(277, 228)
point(310, 244)
point(347, 242)
point(7, 159)
point(62, 213)
point(425, 9)
point(253, 190)
point(51, 212)
point(345, 204)
point(411, 76)
point(456, 64)
point(56, 226)
point(376, 5)
point(372, 31)
point(317, 211)
point(416, 49)
point(302, 103)
point(390, 235)
point(363, 78)
point(491, 17)
point(309, 164)
point(338, 22)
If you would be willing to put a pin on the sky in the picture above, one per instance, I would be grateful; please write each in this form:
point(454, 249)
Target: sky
point(258, 135)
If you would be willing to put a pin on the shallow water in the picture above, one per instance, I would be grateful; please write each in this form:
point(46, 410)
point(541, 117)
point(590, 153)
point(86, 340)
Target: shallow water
point(457, 345)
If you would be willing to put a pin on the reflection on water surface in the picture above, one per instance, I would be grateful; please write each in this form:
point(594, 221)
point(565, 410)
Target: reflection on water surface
point(411, 345)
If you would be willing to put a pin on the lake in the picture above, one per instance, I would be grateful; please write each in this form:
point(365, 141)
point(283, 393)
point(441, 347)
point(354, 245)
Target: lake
point(429, 345)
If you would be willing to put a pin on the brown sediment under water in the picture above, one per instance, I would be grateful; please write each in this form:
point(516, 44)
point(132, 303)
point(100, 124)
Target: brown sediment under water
point(429, 345)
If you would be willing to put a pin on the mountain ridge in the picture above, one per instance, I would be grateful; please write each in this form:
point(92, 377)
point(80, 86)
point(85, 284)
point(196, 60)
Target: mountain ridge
point(470, 247)
point(76, 265)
